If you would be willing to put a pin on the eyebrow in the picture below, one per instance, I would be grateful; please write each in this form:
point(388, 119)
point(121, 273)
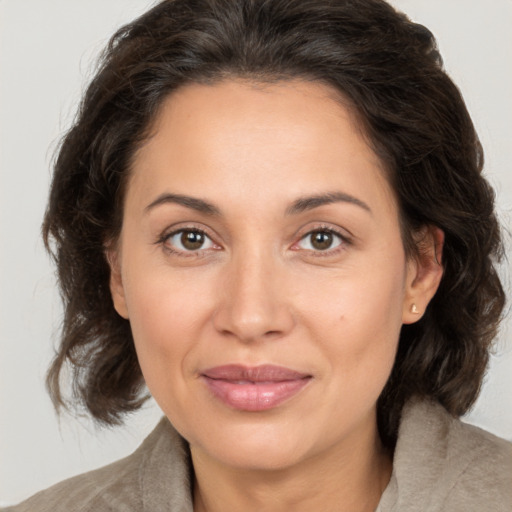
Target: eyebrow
point(308, 203)
point(298, 206)
point(189, 202)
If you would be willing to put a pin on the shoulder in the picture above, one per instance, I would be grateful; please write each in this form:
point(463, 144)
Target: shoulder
point(442, 463)
point(484, 471)
point(96, 490)
point(116, 487)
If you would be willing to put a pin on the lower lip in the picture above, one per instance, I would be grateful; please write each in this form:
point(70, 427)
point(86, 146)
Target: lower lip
point(254, 397)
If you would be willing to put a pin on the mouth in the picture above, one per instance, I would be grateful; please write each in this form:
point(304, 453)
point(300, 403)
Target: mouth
point(258, 388)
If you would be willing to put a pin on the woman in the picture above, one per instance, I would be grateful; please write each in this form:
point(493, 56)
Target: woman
point(272, 214)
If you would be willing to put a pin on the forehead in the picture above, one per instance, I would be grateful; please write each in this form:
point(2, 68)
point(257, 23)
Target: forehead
point(292, 108)
point(285, 139)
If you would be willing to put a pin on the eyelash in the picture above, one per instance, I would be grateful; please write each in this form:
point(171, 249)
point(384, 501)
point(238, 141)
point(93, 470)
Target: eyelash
point(165, 237)
point(344, 241)
point(163, 240)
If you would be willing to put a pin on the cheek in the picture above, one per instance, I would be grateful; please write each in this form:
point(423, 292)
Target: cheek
point(360, 299)
point(359, 322)
point(361, 351)
point(166, 314)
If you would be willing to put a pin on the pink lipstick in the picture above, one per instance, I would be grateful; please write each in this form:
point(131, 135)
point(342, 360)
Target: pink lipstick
point(256, 388)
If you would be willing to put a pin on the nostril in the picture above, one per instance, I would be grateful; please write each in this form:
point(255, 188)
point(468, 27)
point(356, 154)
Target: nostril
point(270, 334)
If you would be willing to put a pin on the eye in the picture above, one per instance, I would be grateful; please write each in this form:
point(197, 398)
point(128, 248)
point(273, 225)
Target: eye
point(320, 240)
point(189, 240)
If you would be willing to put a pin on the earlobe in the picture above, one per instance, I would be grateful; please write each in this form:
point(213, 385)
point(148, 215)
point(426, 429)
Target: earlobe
point(116, 282)
point(424, 273)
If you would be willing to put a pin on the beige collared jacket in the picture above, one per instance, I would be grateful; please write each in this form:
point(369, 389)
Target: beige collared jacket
point(440, 464)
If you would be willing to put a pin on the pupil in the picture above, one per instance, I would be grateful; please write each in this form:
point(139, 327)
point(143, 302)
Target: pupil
point(322, 240)
point(192, 240)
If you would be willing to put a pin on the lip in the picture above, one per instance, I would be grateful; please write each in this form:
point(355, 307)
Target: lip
point(257, 388)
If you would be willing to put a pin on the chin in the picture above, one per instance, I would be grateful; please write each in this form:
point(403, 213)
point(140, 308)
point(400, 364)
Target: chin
point(262, 457)
point(253, 447)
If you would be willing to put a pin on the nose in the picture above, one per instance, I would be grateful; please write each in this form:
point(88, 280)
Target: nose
point(253, 304)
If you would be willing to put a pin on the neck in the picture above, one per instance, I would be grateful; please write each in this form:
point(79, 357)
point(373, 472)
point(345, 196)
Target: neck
point(342, 480)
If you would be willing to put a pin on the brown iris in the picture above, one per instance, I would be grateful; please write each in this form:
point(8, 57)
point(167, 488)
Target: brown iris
point(192, 240)
point(321, 240)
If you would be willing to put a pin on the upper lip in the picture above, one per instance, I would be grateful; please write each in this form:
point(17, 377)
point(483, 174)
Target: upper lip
point(261, 373)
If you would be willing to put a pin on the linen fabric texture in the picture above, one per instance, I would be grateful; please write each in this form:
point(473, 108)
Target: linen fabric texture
point(440, 464)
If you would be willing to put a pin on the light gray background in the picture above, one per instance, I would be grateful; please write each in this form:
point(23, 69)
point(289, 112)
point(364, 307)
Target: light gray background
point(47, 51)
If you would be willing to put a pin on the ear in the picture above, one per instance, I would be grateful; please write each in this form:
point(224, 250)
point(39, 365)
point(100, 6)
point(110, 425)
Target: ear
point(424, 273)
point(112, 254)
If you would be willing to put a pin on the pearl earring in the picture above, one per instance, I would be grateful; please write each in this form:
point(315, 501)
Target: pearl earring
point(414, 310)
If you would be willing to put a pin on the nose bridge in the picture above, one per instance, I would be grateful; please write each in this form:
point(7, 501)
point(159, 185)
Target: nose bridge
point(254, 303)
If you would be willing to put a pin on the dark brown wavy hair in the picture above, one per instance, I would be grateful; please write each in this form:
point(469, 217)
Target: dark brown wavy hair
point(389, 70)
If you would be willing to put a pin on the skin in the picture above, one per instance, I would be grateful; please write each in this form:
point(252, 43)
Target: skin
point(259, 292)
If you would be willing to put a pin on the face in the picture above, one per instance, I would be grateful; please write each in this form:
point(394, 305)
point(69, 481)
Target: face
point(262, 269)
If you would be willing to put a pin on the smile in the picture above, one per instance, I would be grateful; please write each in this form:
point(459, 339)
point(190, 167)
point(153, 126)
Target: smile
point(254, 389)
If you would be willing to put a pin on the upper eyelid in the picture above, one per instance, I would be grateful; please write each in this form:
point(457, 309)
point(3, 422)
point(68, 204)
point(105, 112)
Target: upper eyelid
point(341, 232)
point(164, 241)
point(173, 230)
point(327, 230)
point(343, 239)
point(346, 240)
point(304, 231)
